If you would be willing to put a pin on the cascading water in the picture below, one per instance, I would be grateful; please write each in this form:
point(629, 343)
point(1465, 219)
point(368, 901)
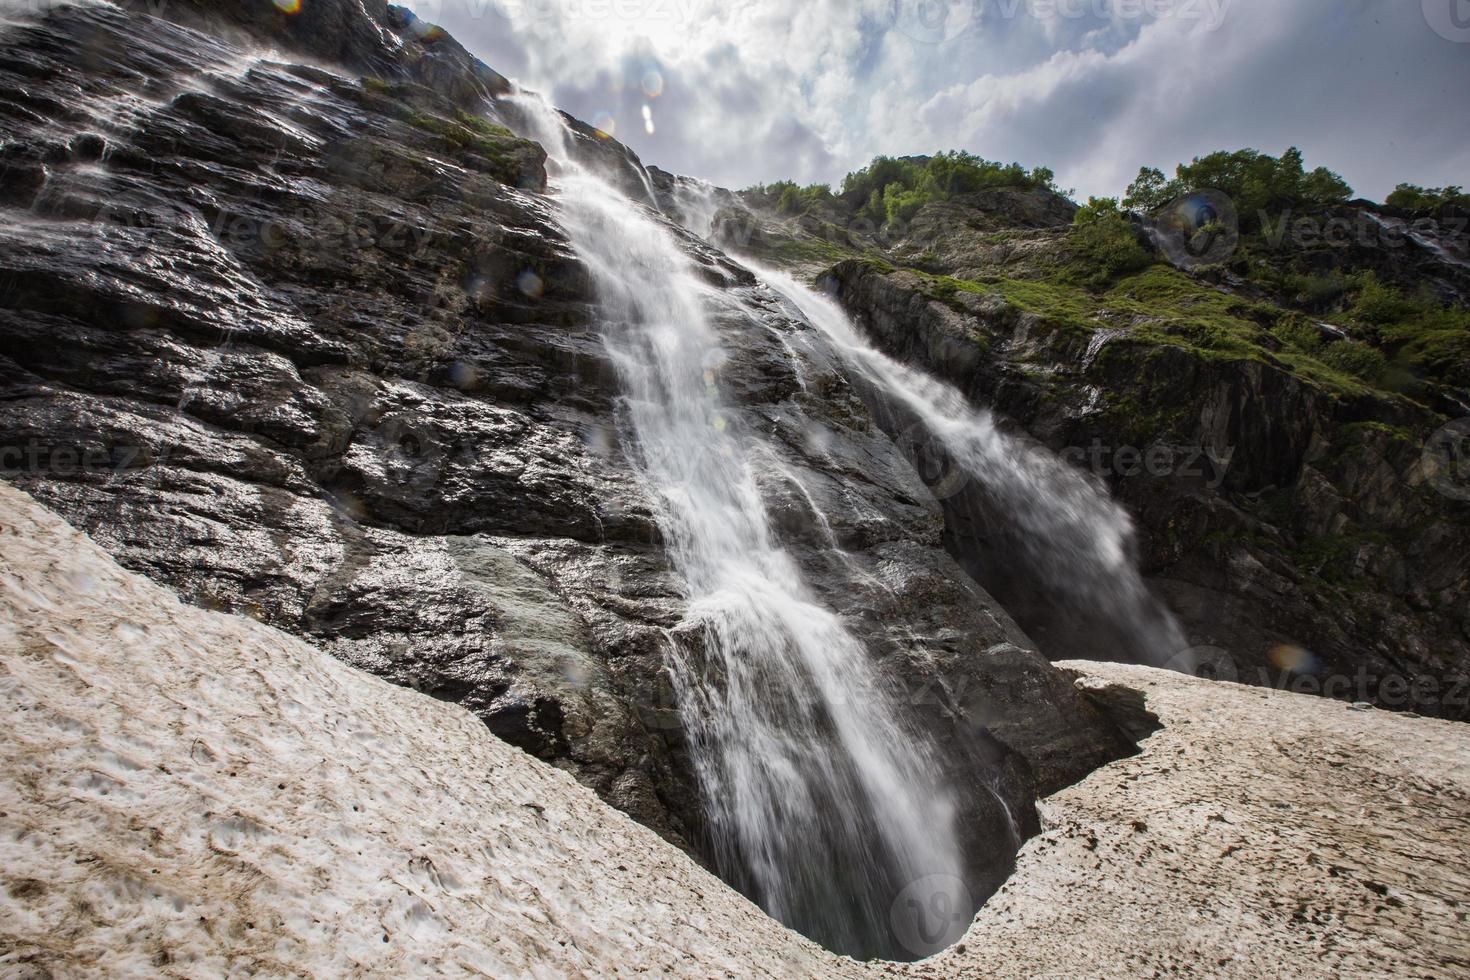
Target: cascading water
point(695, 201)
point(1078, 540)
point(822, 805)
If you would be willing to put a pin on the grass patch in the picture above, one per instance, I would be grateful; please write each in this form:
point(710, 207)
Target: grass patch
point(1332, 559)
point(798, 251)
point(1163, 306)
point(379, 87)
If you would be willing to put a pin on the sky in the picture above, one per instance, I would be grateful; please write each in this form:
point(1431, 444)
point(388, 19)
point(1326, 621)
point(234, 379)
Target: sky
point(746, 91)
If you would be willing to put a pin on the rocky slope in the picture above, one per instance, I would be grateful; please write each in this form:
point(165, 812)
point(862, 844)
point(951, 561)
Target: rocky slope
point(187, 792)
point(308, 344)
point(1310, 527)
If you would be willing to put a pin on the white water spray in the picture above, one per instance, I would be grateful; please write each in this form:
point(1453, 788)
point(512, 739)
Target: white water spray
point(1077, 539)
point(822, 804)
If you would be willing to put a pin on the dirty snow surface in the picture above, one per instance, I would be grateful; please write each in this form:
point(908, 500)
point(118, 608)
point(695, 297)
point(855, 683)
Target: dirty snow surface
point(194, 794)
point(184, 793)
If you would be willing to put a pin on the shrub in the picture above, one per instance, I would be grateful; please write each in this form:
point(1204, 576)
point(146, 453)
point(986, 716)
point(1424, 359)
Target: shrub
point(1298, 334)
point(1355, 358)
point(787, 197)
point(1413, 198)
point(1419, 335)
point(1104, 245)
point(1379, 304)
point(1257, 183)
point(893, 189)
point(1313, 291)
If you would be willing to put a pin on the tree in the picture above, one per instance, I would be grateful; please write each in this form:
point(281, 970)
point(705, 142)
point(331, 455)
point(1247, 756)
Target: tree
point(893, 189)
point(1149, 191)
point(1411, 197)
point(1258, 184)
point(1322, 186)
point(1104, 245)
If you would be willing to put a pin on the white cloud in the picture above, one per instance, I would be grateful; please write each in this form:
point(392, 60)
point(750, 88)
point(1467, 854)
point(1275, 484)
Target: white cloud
point(756, 90)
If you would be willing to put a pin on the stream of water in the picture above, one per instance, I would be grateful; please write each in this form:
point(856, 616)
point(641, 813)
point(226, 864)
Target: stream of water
point(822, 804)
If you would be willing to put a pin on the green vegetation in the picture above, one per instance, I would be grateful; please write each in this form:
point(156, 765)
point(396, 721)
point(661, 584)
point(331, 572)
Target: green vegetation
point(1397, 341)
point(500, 153)
point(1309, 291)
point(1412, 198)
point(1331, 560)
point(788, 197)
point(1355, 358)
point(1417, 336)
point(1165, 307)
point(798, 251)
point(1102, 273)
point(379, 86)
point(1257, 183)
point(466, 132)
point(1104, 247)
point(503, 150)
point(482, 126)
point(892, 189)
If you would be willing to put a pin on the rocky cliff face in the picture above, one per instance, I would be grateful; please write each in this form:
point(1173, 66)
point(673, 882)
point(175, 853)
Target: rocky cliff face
point(1309, 529)
point(310, 346)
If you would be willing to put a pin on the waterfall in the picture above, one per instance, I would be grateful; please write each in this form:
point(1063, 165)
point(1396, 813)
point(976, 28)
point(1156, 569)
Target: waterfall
point(822, 804)
point(695, 200)
point(1079, 541)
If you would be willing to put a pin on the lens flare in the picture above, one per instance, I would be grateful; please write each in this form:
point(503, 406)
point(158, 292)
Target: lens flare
point(605, 124)
point(530, 284)
point(653, 83)
point(1285, 656)
point(288, 6)
point(648, 119)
